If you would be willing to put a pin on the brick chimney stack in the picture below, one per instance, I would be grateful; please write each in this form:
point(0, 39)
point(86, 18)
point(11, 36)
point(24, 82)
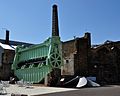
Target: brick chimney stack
point(55, 28)
point(7, 37)
point(88, 36)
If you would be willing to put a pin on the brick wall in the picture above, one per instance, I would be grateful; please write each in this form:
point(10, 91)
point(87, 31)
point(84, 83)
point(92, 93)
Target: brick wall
point(75, 54)
point(7, 59)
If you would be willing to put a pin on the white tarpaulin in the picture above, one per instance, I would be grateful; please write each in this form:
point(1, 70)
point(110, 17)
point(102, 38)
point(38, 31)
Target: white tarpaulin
point(86, 82)
point(82, 82)
point(78, 82)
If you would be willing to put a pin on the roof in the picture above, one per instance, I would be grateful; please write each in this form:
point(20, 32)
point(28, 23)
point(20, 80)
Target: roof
point(15, 43)
point(9, 47)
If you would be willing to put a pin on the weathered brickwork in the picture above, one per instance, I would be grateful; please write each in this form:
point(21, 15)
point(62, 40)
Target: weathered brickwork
point(5, 69)
point(75, 54)
point(105, 63)
point(102, 61)
point(68, 51)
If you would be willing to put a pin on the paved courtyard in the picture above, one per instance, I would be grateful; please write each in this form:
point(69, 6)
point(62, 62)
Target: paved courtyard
point(100, 91)
point(113, 90)
point(34, 90)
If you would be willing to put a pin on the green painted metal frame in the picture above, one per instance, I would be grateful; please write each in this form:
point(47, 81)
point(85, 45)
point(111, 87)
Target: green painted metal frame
point(50, 50)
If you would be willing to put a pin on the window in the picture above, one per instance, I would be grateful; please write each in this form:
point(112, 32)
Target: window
point(67, 61)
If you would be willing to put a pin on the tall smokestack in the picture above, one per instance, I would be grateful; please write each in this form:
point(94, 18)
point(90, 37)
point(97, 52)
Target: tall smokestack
point(55, 28)
point(7, 37)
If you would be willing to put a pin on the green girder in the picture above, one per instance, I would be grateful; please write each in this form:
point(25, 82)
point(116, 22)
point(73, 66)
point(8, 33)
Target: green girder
point(35, 62)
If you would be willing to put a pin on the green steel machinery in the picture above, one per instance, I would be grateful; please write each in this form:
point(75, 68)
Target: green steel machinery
point(34, 63)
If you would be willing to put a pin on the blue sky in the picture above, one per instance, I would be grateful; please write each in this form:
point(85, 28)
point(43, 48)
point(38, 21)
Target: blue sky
point(31, 20)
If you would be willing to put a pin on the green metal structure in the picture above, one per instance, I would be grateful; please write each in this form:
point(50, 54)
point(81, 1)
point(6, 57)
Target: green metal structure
point(34, 63)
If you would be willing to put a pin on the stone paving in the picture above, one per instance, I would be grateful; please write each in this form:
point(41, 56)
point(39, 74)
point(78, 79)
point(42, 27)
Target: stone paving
point(97, 91)
point(34, 90)
point(113, 90)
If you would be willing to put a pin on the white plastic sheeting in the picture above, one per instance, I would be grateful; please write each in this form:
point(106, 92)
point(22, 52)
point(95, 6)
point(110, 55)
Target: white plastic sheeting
point(86, 82)
point(82, 82)
point(93, 84)
point(78, 82)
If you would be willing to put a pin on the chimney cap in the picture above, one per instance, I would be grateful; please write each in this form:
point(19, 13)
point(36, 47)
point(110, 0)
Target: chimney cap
point(54, 6)
point(7, 30)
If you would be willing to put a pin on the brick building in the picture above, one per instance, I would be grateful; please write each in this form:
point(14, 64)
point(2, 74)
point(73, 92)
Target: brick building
point(80, 59)
point(75, 54)
point(101, 61)
point(7, 52)
point(105, 62)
